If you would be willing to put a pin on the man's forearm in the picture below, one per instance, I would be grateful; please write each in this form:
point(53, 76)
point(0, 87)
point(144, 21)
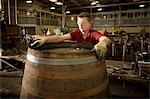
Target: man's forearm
point(105, 40)
point(53, 39)
point(57, 38)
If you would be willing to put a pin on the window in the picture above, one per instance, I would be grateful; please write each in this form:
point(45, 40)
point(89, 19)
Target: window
point(130, 15)
point(123, 15)
point(137, 14)
point(115, 15)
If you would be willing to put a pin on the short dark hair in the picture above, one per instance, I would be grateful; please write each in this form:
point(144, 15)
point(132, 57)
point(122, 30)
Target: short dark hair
point(85, 14)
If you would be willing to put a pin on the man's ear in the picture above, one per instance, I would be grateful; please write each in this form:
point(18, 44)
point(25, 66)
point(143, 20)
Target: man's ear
point(90, 22)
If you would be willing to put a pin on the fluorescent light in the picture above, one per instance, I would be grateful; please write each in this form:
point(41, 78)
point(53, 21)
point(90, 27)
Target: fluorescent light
point(99, 9)
point(53, 0)
point(59, 3)
point(67, 12)
point(142, 5)
point(52, 8)
point(93, 3)
point(29, 1)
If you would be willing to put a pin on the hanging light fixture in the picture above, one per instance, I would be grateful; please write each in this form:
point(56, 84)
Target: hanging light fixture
point(99, 9)
point(142, 5)
point(59, 3)
point(67, 12)
point(53, 0)
point(94, 2)
point(52, 8)
point(28, 1)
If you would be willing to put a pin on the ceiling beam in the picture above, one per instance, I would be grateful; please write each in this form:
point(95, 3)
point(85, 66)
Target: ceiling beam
point(40, 3)
point(76, 2)
point(87, 1)
point(109, 5)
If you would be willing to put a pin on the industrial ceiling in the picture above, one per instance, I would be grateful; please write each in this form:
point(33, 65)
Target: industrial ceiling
point(77, 6)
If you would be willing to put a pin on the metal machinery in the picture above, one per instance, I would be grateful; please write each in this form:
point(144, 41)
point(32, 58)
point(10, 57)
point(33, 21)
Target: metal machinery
point(130, 77)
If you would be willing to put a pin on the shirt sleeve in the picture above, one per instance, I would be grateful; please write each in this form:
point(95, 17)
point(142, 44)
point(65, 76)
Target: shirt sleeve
point(97, 35)
point(74, 35)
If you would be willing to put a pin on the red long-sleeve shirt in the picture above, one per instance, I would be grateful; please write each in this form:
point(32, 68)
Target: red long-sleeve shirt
point(92, 37)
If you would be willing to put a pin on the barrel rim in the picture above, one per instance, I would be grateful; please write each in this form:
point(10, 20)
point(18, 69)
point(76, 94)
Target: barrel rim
point(64, 45)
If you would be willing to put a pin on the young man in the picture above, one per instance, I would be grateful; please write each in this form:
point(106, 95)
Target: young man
point(84, 34)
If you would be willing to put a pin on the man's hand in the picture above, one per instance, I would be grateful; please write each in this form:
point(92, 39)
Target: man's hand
point(101, 50)
point(37, 42)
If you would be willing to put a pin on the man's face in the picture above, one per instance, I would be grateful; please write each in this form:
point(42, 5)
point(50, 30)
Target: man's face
point(83, 24)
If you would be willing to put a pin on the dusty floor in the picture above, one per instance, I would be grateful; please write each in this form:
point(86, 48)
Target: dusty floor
point(123, 83)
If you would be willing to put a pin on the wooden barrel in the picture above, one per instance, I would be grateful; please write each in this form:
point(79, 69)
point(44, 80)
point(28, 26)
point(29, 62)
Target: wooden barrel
point(63, 73)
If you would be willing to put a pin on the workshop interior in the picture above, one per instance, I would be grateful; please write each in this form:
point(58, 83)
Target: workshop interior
point(67, 70)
